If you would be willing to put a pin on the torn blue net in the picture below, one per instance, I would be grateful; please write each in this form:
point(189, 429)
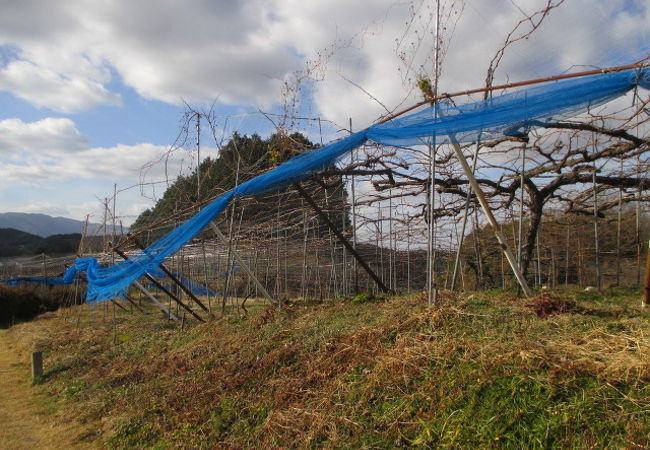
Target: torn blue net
point(496, 117)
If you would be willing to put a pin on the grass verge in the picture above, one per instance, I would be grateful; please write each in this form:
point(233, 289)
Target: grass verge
point(476, 370)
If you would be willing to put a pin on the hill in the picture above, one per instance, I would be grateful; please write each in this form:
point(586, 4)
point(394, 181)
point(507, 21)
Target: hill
point(478, 370)
point(19, 243)
point(43, 225)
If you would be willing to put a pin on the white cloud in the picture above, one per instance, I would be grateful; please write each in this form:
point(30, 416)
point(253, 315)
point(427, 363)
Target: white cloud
point(47, 136)
point(241, 52)
point(48, 166)
point(53, 149)
point(46, 88)
point(577, 33)
point(121, 162)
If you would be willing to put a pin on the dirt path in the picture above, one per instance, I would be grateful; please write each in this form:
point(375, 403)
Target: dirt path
point(23, 422)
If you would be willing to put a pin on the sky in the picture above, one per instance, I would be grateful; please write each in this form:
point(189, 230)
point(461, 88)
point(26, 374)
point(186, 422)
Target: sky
point(93, 91)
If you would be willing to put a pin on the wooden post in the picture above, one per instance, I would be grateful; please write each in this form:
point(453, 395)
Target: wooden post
point(37, 366)
point(646, 290)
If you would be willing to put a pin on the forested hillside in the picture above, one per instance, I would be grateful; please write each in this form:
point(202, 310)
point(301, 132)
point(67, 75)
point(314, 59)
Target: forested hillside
point(18, 243)
point(243, 158)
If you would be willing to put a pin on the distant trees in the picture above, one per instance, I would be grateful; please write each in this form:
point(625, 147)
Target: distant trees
point(18, 243)
point(565, 251)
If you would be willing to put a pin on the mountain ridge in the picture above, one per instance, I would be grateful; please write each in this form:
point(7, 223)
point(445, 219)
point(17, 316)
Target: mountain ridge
point(44, 225)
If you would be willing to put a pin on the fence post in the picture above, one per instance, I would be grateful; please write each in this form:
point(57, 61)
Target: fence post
point(37, 366)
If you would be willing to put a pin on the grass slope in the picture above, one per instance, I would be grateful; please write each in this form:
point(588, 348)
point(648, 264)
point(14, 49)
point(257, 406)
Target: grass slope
point(475, 371)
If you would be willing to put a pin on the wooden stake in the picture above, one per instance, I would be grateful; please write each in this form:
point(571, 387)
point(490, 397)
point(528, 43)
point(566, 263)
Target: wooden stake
point(37, 366)
point(646, 290)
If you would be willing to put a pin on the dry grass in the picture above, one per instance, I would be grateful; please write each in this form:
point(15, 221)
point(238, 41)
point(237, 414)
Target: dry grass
point(24, 423)
point(473, 371)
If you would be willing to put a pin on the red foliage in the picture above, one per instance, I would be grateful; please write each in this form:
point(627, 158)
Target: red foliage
point(545, 306)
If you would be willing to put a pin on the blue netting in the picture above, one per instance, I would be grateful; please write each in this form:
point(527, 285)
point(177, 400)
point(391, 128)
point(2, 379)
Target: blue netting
point(194, 286)
point(71, 274)
point(503, 115)
point(50, 281)
point(508, 114)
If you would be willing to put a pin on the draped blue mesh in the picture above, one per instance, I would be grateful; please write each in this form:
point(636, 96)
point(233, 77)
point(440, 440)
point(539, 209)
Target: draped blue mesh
point(507, 114)
point(499, 116)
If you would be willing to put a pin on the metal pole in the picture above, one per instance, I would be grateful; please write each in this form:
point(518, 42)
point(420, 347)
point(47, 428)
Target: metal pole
point(432, 290)
point(490, 217)
point(354, 220)
point(646, 290)
point(176, 280)
point(150, 296)
point(114, 201)
point(198, 157)
point(521, 206)
point(596, 240)
point(462, 231)
point(618, 232)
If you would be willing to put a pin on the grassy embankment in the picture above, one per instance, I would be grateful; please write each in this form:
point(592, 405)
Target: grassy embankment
point(477, 370)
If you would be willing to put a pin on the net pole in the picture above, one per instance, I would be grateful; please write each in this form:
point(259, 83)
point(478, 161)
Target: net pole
point(646, 285)
point(355, 267)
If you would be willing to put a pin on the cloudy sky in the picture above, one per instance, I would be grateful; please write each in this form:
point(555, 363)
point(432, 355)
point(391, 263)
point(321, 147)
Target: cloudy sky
point(91, 91)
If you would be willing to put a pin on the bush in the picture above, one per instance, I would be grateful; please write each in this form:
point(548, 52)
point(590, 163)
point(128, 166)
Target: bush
point(20, 304)
point(363, 298)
